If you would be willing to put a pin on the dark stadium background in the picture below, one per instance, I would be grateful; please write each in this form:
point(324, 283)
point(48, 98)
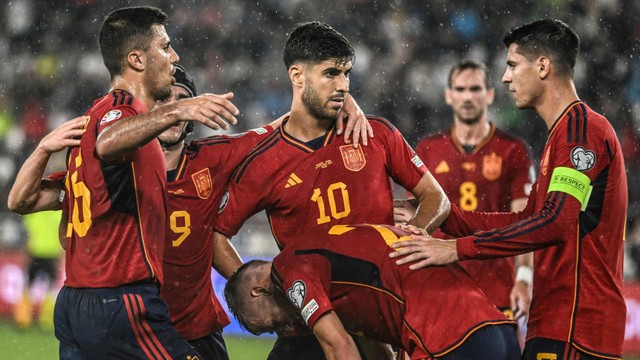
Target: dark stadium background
point(51, 71)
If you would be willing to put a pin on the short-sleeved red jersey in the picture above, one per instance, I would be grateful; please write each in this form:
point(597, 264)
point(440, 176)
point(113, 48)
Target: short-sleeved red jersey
point(116, 211)
point(428, 312)
point(302, 188)
point(577, 287)
point(495, 172)
point(194, 193)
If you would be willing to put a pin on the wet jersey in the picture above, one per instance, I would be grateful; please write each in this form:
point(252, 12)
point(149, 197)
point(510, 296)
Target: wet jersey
point(575, 218)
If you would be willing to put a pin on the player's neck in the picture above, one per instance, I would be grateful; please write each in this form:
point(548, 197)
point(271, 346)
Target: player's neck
point(305, 127)
point(135, 88)
point(555, 99)
point(471, 134)
point(172, 155)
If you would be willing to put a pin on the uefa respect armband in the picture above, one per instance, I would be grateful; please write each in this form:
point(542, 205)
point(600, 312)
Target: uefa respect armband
point(572, 182)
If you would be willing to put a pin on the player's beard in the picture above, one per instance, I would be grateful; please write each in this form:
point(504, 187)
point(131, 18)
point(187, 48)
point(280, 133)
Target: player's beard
point(471, 120)
point(314, 104)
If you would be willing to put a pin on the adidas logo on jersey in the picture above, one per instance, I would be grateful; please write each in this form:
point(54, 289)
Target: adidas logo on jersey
point(442, 167)
point(293, 181)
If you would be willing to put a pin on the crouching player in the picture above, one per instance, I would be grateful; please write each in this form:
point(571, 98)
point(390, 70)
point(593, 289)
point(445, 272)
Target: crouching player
point(344, 281)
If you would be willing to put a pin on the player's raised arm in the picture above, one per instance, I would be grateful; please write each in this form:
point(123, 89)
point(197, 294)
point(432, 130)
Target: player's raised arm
point(129, 134)
point(30, 192)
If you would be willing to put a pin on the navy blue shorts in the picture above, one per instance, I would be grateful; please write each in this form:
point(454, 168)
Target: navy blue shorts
point(211, 347)
point(547, 349)
point(127, 322)
point(495, 342)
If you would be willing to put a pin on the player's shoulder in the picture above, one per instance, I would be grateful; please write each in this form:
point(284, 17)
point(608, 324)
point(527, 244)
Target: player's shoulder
point(435, 138)
point(381, 123)
point(115, 105)
point(580, 124)
point(508, 137)
point(259, 157)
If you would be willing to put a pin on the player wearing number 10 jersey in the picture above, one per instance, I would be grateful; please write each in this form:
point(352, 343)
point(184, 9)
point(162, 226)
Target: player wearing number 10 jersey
point(320, 183)
point(487, 178)
point(306, 177)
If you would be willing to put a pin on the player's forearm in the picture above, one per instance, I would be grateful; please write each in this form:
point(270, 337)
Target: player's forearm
point(28, 193)
point(552, 225)
point(433, 204)
point(225, 257)
point(336, 343)
point(130, 134)
point(462, 223)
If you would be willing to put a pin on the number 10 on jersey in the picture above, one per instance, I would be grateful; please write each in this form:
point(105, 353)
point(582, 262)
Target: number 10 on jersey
point(335, 191)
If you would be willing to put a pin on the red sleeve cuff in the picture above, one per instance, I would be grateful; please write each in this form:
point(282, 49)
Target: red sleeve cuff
point(466, 248)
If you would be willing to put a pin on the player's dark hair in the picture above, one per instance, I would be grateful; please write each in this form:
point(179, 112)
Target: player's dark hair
point(466, 64)
point(234, 297)
point(315, 42)
point(125, 30)
point(552, 38)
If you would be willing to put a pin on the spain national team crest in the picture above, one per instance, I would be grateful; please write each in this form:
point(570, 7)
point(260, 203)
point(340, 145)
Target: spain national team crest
point(491, 166)
point(353, 159)
point(203, 183)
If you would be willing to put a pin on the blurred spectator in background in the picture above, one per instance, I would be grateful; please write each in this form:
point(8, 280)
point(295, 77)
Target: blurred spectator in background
point(43, 252)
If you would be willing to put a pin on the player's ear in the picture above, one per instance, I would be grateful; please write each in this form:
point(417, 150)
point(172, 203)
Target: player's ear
point(296, 74)
point(544, 66)
point(491, 93)
point(447, 95)
point(136, 60)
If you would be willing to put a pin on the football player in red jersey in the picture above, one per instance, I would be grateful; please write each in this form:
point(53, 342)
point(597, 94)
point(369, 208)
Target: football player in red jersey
point(306, 178)
point(483, 168)
point(114, 185)
point(343, 280)
point(575, 217)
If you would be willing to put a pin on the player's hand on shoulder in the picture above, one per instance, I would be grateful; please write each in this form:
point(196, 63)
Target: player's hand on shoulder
point(66, 135)
point(214, 111)
point(424, 250)
point(357, 127)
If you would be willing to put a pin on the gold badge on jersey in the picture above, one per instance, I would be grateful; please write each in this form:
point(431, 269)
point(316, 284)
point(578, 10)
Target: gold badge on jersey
point(491, 166)
point(203, 183)
point(353, 159)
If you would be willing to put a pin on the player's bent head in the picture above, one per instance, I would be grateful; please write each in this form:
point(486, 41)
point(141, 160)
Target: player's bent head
point(125, 30)
point(314, 42)
point(237, 292)
point(547, 37)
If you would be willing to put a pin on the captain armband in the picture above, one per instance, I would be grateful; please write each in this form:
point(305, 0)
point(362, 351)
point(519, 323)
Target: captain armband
point(572, 182)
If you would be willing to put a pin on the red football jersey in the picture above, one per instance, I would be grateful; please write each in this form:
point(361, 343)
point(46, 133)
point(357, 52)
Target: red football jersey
point(193, 198)
point(577, 287)
point(428, 312)
point(497, 171)
point(303, 188)
point(116, 211)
